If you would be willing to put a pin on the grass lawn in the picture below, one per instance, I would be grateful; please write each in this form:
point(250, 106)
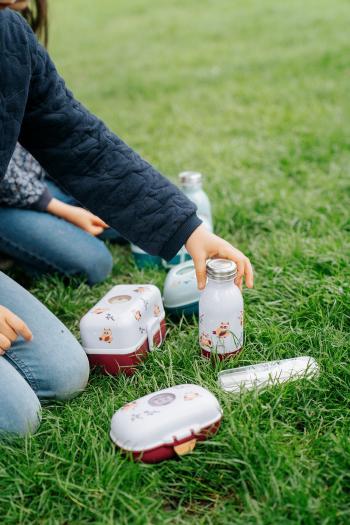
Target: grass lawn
point(256, 96)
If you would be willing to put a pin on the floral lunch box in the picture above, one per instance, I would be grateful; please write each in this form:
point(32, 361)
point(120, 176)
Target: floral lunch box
point(120, 330)
point(166, 423)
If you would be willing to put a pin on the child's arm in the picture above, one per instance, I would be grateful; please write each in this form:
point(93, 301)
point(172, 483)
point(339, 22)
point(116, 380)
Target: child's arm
point(80, 217)
point(90, 162)
point(82, 155)
point(23, 187)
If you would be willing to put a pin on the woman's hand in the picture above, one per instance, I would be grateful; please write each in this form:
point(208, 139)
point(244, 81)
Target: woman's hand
point(203, 245)
point(79, 216)
point(11, 327)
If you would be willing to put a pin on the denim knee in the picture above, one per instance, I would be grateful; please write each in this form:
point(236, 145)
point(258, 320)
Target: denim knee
point(98, 266)
point(69, 377)
point(23, 416)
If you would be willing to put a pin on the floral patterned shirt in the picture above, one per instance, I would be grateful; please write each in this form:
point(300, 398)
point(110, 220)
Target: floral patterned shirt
point(23, 185)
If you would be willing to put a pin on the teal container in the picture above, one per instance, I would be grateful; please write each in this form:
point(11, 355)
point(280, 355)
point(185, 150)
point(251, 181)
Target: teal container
point(179, 258)
point(144, 259)
point(181, 295)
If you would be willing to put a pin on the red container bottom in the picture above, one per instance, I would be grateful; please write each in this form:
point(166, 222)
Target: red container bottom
point(163, 452)
point(114, 364)
point(221, 357)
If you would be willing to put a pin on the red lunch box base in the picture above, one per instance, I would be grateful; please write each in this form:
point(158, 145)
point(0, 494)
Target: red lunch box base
point(164, 452)
point(114, 364)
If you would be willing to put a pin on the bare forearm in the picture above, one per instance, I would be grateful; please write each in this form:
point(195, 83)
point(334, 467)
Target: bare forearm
point(59, 208)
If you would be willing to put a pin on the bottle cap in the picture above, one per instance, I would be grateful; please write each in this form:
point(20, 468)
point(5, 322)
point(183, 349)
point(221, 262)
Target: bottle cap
point(190, 178)
point(221, 269)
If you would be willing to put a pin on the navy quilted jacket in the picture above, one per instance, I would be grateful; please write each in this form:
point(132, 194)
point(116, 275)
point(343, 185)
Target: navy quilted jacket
point(78, 150)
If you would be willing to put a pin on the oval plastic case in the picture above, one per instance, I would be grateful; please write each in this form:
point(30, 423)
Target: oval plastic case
point(119, 331)
point(166, 423)
point(181, 295)
point(266, 374)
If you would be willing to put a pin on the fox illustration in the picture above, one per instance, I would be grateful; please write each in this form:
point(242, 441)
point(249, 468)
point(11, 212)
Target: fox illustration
point(156, 311)
point(137, 315)
point(223, 330)
point(106, 335)
point(98, 311)
point(205, 340)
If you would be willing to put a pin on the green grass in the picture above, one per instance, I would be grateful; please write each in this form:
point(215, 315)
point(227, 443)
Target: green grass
point(256, 96)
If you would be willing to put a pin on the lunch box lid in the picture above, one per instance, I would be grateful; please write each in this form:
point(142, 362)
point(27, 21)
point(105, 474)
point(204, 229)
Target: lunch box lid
point(164, 417)
point(123, 319)
point(180, 287)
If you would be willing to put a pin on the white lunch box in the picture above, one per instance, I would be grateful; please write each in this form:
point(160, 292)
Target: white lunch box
point(181, 294)
point(166, 423)
point(123, 326)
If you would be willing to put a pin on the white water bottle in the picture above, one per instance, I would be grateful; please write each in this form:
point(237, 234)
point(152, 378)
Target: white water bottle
point(221, 311)
point(191, 185)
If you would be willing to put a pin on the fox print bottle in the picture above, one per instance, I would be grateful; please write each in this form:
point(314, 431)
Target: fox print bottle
point(221, 311)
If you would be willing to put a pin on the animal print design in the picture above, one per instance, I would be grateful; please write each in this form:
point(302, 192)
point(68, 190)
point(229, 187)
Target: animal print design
point(205, 340)
point(156, 311)
point(129, 406)
point(106, 336)
point(223, 330)
point(98, 311)
point(191, 396)
point(137, 315)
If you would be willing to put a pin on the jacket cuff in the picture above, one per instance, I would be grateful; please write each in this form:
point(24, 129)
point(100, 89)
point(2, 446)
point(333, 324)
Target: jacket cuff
point(176, 242)
point(42, 203)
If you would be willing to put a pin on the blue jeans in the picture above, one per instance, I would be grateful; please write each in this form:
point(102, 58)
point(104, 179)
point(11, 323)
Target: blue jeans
point(43, 243)
point(51, 366)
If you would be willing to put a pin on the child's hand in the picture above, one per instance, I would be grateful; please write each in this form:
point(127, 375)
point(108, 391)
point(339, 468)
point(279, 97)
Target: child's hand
point(11, 327)
point(79, 216)
point(203, 245)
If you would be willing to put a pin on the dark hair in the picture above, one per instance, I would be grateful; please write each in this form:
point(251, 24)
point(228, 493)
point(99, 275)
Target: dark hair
point(37, 19)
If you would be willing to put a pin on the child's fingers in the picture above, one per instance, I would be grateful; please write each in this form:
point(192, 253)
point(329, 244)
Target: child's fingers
point(248, 272)
point(201, 271)
point(7, 331)
point(96, 230)
point(5, 344)
point(244, 267)
point(99, 222)
point(239, 282)
point(19, 326)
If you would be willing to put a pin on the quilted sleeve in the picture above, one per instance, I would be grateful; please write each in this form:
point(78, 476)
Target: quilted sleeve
point(23, 185)
point(98, 168)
